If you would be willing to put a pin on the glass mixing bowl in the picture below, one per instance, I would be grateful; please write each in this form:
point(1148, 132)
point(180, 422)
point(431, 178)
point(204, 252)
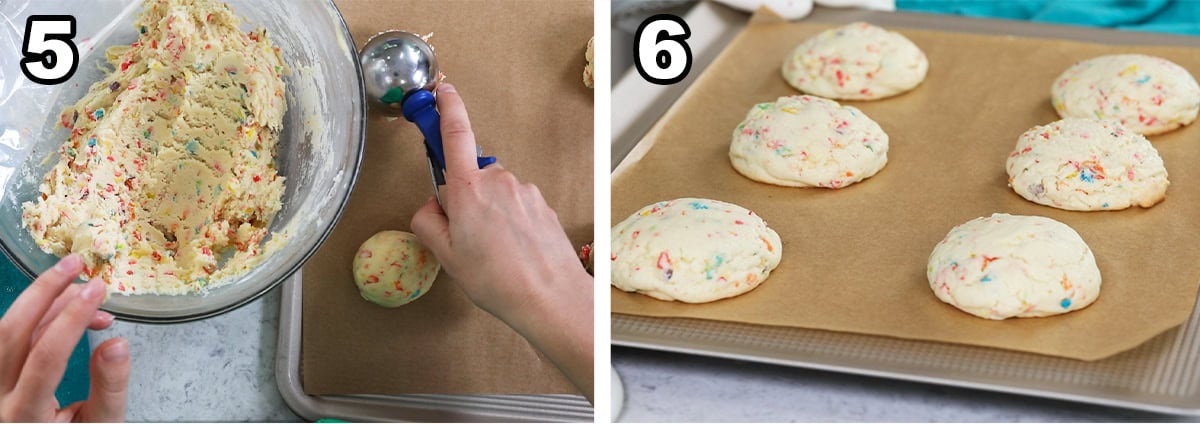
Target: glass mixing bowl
point(319, 150)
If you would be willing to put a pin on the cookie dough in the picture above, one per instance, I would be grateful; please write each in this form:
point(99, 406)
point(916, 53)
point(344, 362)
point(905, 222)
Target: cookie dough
point(693, 250)
point(858, 61)
point(588, 75)
point(1147, 94)
point(807, 141)
point(1006, 266)
point(167, 183)
point(588, 258)
point(393, 268)
point(1087, 165)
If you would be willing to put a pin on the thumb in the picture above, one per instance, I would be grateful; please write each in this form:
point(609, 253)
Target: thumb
point(110, 382)
point(433, 228)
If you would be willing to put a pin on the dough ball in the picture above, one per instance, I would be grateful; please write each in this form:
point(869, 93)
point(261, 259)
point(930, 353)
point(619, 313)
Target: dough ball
point(1147, 94)
point(1087, 165)
point(858, 61)
point(393, 268)
point(588, 76)
point(806, 141)
point(693, 250)
point(1006, 266)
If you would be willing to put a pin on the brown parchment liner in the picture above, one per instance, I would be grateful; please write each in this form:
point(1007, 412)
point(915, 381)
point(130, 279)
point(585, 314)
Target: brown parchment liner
point(854, 259)
point(528, 106)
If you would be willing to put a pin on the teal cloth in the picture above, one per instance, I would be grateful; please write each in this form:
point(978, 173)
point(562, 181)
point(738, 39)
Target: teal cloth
point(1177, 17)
point(74, 386)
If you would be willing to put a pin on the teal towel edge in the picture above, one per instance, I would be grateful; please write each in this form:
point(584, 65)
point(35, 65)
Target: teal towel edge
point(75, 382)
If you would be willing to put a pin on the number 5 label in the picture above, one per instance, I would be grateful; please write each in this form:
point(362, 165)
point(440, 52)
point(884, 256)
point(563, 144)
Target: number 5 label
point(660, 52)
point(50, 57)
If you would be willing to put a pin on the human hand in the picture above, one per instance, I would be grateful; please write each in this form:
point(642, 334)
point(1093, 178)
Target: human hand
point(37, 335)
point(507, 250)
point(500, 240)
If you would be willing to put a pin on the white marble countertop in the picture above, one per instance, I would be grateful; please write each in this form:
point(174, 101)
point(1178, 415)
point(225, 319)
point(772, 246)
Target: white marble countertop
point(222, 369)
point(218, 369)
point(662, 386)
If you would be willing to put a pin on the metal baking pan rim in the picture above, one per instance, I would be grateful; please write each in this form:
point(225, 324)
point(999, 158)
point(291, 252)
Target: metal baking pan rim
point(912, 377)
point(421, 407)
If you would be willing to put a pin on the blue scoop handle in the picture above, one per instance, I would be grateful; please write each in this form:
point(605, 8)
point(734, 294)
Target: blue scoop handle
point(419, 108)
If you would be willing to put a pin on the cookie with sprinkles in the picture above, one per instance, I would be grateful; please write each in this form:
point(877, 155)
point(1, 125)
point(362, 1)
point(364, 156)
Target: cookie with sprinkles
point(1147, 94)
point(1087, 165)
point(807, 141)
point(693, 250)
point(393, 268)
point(858, 61)
point(1006, 266)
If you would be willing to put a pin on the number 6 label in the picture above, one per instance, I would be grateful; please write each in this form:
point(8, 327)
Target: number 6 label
point(659, 51)
point(50, 57)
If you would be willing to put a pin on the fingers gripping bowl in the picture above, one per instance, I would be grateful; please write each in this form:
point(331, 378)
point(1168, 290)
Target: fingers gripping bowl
point(318, 153)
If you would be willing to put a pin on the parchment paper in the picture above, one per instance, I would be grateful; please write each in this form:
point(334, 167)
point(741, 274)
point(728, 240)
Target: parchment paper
point(523, 87)
point(854, 259)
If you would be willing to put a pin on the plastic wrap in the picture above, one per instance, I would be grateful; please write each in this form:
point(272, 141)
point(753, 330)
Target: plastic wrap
point(319, 152)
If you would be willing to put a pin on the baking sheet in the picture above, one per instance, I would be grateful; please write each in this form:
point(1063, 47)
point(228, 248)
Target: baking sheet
point(854, 259)
point(410, 407)
point(523, 88)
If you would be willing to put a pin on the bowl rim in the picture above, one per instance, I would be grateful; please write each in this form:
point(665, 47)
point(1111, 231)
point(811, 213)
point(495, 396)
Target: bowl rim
point(341, 209)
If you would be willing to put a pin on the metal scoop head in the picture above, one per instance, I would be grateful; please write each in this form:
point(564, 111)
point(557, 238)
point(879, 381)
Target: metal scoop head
point(396, 63)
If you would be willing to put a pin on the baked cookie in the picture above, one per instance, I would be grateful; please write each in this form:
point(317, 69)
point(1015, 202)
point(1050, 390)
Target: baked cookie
point(858, 61)
point(807, 141)
point(1006, 266)
point(693, 251)
point(393, 268)
point(1087, 165)
point(1147, 94)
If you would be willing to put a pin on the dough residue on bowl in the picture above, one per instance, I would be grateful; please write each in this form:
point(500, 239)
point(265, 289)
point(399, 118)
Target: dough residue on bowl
point(167, 183)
